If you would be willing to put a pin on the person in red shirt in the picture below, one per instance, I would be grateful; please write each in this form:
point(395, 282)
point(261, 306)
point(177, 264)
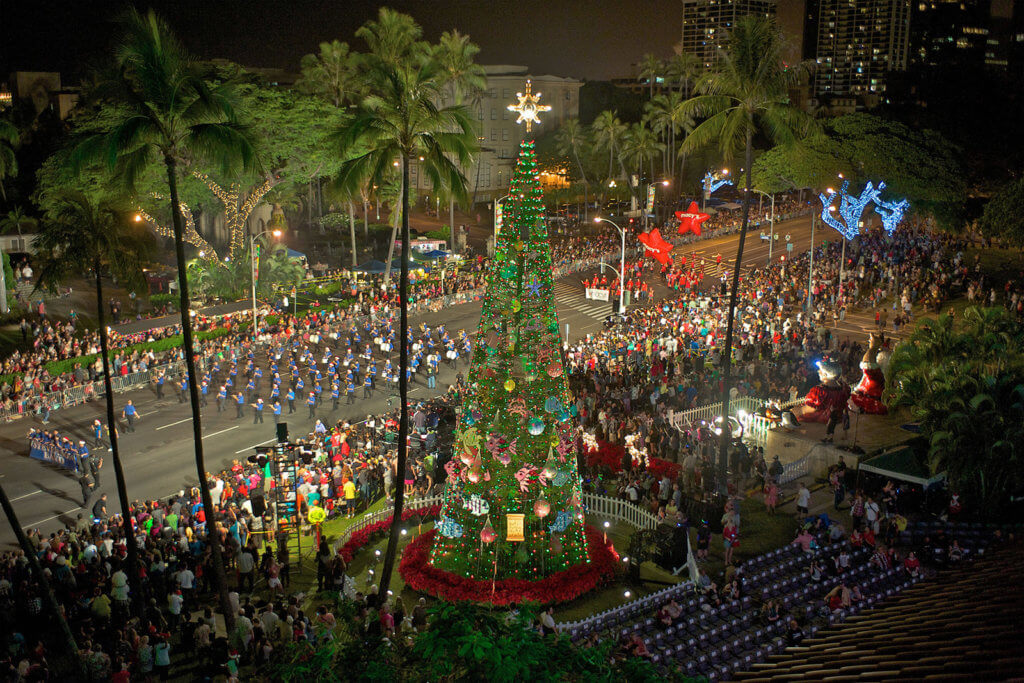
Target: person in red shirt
point(912, 564)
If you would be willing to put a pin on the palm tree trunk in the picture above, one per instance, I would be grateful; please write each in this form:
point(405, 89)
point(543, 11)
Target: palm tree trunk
point(212, 538)
point(723, 452)
point(352, 231)
point(366, 218)
point(49, 597)
point(403, 391)
point(451, 221)
point(134, 579)
point(397, 217)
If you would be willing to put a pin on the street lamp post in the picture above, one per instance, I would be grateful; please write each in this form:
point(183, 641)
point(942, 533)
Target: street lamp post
point(771, 237)
point(663, 183)
point(622, 260)
point(252, 263)
point(810, 272)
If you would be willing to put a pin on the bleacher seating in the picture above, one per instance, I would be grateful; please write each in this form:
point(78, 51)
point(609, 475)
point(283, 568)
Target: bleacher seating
point(735, 640)
point(963, 625)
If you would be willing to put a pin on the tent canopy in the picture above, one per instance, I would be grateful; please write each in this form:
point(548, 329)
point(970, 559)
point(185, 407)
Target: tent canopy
point(371, 266)
point(902, 464)
point(295, 254)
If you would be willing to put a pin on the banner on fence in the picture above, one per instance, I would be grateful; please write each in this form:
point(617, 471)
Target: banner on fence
point(597, 294)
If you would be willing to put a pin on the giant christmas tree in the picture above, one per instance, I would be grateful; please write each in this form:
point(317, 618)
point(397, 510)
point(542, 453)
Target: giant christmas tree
point(513, 503)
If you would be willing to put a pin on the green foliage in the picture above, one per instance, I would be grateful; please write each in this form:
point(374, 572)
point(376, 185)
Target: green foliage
point(443, 234)
point(1003, 216)
point(463, 643)
point(964, 382)
point(917, 164)
point(9, 279)
point(162, 299)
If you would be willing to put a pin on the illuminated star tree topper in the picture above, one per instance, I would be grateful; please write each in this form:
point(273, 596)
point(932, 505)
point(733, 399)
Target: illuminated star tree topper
point(527, 108)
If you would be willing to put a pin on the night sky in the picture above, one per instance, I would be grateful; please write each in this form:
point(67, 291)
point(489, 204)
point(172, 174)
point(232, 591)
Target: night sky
point(592, 39)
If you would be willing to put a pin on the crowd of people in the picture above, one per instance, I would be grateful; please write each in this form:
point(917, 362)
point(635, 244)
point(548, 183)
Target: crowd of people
point(628, 381)
point(344, 468)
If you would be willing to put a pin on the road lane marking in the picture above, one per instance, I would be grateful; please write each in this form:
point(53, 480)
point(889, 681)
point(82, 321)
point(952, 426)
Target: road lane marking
point(254, 446)
point(25, 496)
point(43, 521)
point(206, 436)
point(174, 423)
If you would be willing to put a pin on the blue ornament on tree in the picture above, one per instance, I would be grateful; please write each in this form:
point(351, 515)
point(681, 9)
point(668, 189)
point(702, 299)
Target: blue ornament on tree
point(561, 478)
point(561, 523)
point(536, 426)
point(449, 528)
point(552, 404)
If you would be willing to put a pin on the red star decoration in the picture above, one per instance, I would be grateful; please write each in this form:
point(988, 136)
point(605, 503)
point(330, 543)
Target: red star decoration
point(656, 247)
point(691, 219)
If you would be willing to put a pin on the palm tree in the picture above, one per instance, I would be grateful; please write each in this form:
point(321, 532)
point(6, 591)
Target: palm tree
point(397, 123)
point(9, 137)
point(975, 428)
point(17, 221)
point(330, 74)
point(639, 146)
point(748, 92)
point(456, 55)
point(682, 67)
point(660, 114)
point(80, 235)
point(171, 116)
point(650, 67)
point(394, 38)
point(570, 139)
point(608, 134)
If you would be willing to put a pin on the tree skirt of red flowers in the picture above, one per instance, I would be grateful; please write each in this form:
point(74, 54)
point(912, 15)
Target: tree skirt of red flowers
point(561, 587)
point(610, 456)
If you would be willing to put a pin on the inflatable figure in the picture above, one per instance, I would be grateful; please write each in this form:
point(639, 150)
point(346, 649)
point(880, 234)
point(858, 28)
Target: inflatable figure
point(832, 392)
point(867, 396)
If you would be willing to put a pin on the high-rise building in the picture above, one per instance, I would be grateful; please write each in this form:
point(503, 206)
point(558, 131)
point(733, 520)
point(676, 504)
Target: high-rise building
point(859, 44)
point(706, 24)
point(964, 33)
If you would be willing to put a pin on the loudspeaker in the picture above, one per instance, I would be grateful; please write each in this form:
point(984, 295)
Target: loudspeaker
point(282, 432)
point(259, 503)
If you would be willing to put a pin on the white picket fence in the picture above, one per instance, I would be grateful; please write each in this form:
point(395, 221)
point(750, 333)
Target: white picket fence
point(707, 413)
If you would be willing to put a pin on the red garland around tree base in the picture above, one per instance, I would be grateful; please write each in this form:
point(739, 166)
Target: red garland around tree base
point(560, 587)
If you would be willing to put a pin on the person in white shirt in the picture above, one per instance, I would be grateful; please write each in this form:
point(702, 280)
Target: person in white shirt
point(803, 499)
point(119, 584)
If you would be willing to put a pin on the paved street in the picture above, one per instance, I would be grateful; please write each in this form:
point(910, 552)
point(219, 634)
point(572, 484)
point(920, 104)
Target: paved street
point(159, 458)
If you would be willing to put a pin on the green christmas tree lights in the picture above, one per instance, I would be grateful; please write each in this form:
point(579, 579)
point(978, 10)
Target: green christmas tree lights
point(513, 473)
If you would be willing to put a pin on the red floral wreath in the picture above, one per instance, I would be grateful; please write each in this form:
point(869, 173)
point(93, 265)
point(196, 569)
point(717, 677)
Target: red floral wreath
point(561, 587)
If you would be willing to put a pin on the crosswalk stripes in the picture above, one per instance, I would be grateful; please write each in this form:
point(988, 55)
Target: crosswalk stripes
point(572, 296)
